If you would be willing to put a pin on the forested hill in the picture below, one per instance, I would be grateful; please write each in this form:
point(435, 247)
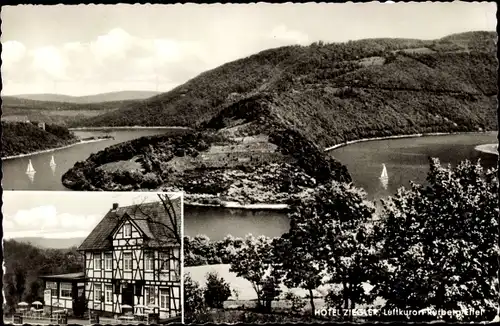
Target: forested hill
point(341, 91)
point(26, 137)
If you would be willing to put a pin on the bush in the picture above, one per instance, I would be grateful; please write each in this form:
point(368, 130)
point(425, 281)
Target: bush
point(150, 181)
point(297, 302)
point(193, 299)
point(217, 291)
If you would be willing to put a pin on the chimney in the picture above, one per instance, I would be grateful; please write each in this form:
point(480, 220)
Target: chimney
point(115, 206)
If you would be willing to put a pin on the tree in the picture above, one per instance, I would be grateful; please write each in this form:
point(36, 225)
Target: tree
point(254, 263)
point(193, 299)
point(300, 268)
point(329, 232)
point(217, 291)
point(24, 263)
point(440, 242)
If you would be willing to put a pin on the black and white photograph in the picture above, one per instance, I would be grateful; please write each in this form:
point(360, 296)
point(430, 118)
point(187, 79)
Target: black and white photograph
point(337, 161)
point(92, 258)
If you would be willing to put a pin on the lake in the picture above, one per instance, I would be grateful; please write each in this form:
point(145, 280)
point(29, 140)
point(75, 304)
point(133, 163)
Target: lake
point(217, 222)
point(49, 178)
point(406, 159)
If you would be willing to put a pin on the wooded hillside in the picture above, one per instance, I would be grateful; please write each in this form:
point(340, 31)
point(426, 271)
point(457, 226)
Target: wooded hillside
point(342, 91)
point(26, 137)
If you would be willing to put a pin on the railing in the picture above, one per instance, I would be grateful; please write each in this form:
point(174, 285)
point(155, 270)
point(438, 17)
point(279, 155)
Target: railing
point(38, 319)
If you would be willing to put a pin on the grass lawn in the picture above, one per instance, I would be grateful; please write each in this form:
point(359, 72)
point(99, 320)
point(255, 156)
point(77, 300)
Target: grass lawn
point(126, 165)
point(247, 295)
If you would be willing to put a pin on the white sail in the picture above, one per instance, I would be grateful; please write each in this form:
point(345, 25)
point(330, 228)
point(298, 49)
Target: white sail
point(30, 169)
point(384, 174)
point(384, 178)
point(52, 161)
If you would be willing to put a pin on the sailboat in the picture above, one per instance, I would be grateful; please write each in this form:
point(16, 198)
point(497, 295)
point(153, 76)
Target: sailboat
point(384, 174)
point(384, 177)
point(52, 161)
point(53, 165)
point(30, 169)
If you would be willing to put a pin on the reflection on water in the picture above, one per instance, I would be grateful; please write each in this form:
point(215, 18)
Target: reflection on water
point(53, 166)
point(31, 176)
point(384, 182)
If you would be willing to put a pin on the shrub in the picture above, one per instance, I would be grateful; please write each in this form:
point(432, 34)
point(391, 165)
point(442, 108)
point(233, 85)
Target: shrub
point(217, 291)
point(193, 299)
point(297, 302)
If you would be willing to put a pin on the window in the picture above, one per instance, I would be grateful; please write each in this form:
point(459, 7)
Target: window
point(170, 264)
point(127, 261)
point(97, 261)
point(149, 296)
point(164, 297)
point(164, 261)
point(66, 290)
point(108, 261)
point(108, 292)
point(149, 261)
point(97, 292)
point(127, 230)
point(175, 267)
point(53, 288)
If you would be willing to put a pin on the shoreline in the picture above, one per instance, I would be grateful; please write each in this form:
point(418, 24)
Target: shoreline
point(485, 148)
point(236, 205)
point(126, 128)
point(405, 136)
point(52, 149)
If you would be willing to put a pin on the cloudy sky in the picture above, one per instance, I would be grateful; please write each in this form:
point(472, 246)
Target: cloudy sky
point(89, 49)
point(61, 214)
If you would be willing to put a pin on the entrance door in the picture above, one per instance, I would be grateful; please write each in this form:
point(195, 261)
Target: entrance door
point(79, 302)
point(128, 294)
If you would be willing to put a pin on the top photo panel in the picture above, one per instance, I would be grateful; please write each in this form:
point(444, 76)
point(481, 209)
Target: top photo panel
point(338, 162)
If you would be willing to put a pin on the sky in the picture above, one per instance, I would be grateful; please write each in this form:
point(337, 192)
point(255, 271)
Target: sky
point(90, 49)
point(62, 214)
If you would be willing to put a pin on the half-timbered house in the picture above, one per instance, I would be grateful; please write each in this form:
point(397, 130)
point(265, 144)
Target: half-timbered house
point(132, 258)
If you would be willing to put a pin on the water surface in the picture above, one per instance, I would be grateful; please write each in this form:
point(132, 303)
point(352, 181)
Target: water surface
point(49, 178)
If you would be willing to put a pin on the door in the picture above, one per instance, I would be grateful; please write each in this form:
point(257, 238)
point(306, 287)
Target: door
point(128, 294)
point(79, 301)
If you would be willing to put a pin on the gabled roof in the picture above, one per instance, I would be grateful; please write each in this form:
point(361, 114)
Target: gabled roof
point(151, 218)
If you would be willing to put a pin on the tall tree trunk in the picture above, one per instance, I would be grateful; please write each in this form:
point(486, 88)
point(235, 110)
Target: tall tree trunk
point(312, 301)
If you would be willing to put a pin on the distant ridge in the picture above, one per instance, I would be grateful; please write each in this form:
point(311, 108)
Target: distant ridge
point(51, 243)
point(97, 98)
